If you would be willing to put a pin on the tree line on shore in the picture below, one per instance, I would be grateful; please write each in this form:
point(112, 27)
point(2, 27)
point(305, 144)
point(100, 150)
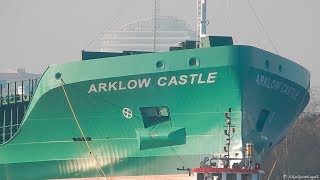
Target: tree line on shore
point(298, 153)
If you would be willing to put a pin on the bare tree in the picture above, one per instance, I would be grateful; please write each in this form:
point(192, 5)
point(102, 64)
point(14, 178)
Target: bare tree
point(313, 108)
point(296, 153)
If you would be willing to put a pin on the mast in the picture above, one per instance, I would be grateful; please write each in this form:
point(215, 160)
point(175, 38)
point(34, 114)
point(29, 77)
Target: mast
point(155, 24)
point(227, 132)
point(203, 27)
point(201, 21)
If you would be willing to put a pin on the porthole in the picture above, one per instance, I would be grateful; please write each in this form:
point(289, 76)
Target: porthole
point(267, 64)
point(160, 65)
point(280, 68)
point(58, 76)
point(193, 61)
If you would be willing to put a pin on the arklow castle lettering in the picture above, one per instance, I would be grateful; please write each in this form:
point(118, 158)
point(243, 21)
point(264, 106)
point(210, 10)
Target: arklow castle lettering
point(131, 84)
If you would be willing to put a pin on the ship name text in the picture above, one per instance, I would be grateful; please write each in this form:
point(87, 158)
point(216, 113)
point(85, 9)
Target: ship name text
point(163, 81)
point(277, 86)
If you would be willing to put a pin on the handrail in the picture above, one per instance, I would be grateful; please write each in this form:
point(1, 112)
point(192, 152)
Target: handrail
point(14, 99)
point(19, 91)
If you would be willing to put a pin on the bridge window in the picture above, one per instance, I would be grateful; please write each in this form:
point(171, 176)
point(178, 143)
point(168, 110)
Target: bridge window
point(246, 177)
point(260, 177)
point(215, 176)
point(231, 176)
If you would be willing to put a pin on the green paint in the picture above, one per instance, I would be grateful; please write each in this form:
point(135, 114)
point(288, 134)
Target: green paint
point(196, 96)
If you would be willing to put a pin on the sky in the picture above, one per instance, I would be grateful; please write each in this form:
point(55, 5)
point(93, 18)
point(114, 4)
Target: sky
point(37, 33)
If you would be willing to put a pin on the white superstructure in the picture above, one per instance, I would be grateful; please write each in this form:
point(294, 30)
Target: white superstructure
point(139, 36)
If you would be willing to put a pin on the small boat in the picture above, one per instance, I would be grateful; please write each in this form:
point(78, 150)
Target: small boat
point(226, 167)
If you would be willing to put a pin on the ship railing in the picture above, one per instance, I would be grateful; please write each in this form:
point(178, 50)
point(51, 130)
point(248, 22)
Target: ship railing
point(17, 92)
point(14, 100)
point(8, 131)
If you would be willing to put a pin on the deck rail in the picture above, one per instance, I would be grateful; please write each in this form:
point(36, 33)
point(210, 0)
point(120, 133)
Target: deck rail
point(14, 100)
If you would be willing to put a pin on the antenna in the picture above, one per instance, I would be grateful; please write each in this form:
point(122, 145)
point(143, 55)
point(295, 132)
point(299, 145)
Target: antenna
point(155, 23)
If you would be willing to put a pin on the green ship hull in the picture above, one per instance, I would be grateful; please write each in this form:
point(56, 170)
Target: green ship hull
point(149, 114)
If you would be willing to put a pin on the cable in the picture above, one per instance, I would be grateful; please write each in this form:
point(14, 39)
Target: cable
point(171, 147)
point(179, 156)
point(255, 14)
point(228, 21)
point(274, 164)
point(228, 15)
point(120, 108)
point(81, 131)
